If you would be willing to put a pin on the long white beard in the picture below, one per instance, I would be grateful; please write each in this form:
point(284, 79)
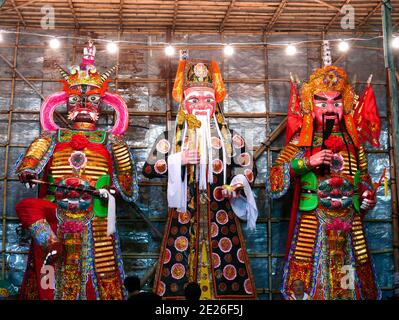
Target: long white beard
point(205, 149)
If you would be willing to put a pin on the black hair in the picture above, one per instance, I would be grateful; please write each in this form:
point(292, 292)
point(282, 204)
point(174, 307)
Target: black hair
point(132, 283)
point(192, 291)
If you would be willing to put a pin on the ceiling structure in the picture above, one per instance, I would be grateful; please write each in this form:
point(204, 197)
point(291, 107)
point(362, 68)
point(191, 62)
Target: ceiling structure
point(242, 16)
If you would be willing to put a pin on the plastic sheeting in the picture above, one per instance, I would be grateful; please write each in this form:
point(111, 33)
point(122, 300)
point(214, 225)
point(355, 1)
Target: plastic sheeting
point(267, 244)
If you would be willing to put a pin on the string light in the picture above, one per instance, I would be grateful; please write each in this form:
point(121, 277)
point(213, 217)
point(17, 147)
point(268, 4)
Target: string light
point(169, 51)
point(1, 36)
point(343, 46)
point(395, 42)
point(98, 40)
point(290, 50)
point(55, 43)
point(228, 50)
point(112, 47)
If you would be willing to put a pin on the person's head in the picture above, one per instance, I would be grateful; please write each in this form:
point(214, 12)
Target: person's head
point(192, 291)
point(132, 284)
point(298, 287)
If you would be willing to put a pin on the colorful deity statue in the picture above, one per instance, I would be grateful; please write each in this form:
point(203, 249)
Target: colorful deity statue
point(326, 164)
point(79, 168)
point(210, 171)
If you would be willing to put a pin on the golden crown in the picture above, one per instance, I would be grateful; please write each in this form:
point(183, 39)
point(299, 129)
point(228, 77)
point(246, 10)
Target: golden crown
point(328, 78)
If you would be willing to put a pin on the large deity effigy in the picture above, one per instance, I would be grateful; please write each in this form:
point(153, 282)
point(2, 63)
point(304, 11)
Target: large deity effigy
point(80, 170)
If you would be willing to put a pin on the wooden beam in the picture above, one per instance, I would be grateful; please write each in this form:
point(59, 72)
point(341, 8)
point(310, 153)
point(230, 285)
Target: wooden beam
point(18, 12)
point(75, 19)
point(121, 15)
point(195, 16)
point(276, 15)
point(227, 15)
point(273, 136)
point(327, 5)
point(370, 14)
point(175, 9)
point(21, 5)
point(149, 275)
point(335, 16)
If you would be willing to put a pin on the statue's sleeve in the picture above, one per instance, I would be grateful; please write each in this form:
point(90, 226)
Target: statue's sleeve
point(243, 172)
point(38, 154)
point(289, 164)
point(156, 165)
point(242, 159)
point(124, 176)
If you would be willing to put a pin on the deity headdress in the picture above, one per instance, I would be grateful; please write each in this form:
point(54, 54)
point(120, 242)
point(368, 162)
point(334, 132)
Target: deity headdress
point(328, 78)
point(195, 73)
point(85, 74)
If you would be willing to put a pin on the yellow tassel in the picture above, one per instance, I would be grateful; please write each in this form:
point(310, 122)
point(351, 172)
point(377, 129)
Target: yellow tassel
point(385, 186)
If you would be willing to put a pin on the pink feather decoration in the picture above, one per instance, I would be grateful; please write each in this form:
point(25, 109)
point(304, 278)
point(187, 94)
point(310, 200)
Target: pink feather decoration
point(122, 119)
point(48, 108)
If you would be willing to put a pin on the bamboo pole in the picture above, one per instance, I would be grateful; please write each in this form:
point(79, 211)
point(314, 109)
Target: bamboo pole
point(15, 70)
point(169, 39)
point(273, 136)
point(393, 105)
point(269, 235)
point(149, 274)
point(7, 154)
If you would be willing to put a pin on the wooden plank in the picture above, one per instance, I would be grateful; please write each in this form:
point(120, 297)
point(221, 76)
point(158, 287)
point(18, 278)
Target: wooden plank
point(226, 17)
point(18, 12)
point(74, 14)
point(335, 16)
point(276, 15)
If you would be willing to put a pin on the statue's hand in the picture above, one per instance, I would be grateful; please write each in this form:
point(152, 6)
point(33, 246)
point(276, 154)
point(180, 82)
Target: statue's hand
point(321, 157)
point(26, 177)
point(190, 157)
point(368, 200)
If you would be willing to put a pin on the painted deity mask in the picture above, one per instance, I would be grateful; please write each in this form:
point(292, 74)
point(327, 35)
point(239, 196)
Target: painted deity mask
point(200, 101)
point(327, 106)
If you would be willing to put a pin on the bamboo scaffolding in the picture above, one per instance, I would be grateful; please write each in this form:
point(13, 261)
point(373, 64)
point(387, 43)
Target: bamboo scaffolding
point(393, 106)
point(215, 16)
point(7, 153)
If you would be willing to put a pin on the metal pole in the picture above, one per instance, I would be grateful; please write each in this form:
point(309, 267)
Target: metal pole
point(393, 107)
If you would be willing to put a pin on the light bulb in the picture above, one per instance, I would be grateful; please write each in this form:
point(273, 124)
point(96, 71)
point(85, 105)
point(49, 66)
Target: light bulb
point(395, 42)
point(228, 50)
point(343, 46)
point(112, 47)
point(169, 51)
point(55, 43)
point(290, 50)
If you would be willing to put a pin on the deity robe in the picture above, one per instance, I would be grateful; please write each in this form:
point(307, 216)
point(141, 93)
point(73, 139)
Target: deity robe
point(205, 243)
point(327, 246)
point(91, 267)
